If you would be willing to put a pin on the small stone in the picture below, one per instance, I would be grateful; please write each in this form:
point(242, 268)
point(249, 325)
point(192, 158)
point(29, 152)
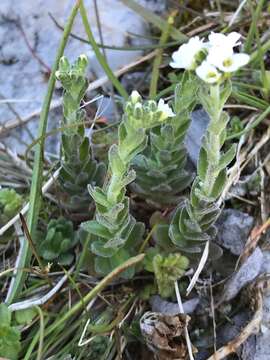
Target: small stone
point(234, 227)
point(169, 308)
point(244, 275)
point(229, 332)
point(199, 123)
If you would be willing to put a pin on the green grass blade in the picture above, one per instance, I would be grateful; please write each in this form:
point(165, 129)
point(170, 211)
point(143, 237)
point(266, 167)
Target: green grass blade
point(36, 185)
point(252, 30)
point(116, 83)
point(158, 59)
point(154, 19)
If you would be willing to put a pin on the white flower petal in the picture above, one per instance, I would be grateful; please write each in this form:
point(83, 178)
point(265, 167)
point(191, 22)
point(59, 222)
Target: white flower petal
point(135, 96)
point(230, 63)
point(221, 41)
point(185, 56)
point(208, 73)
point(165, 109)
point(234, 38)
point(216, 38)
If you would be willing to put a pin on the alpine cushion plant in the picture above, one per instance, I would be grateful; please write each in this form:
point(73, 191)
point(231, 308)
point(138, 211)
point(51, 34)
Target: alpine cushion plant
point(213, 61)
point(160, 169)
point(114, 231)
point(78, 168)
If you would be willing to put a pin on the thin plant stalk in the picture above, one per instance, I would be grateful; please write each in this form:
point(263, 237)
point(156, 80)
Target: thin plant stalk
point(41, 333)
point(36, 185)
point(157, 61)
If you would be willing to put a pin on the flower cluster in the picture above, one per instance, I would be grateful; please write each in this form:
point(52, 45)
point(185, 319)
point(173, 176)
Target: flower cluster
point(160, 110)
point(211, 59)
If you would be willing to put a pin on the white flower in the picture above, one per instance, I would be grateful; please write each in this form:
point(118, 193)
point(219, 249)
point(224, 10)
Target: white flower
point(218, 40)
point(226, 61)
point(221, 54)
point(208, 72)
point(135, 96)
point(165, 110)
point(185, 56)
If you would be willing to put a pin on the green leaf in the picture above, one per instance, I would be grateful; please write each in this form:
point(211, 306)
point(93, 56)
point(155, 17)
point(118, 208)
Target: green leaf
point(25, 316)
point(95, 228)
point(225, 92)
point(10, 202)
point(168, 269)
point(9, 335)
point(202, 164)
point(5, 315)
point(117, 166)
point(97, 247)
point(148, 259)
point(154, 19)
point(219, 184)
point(227, 158)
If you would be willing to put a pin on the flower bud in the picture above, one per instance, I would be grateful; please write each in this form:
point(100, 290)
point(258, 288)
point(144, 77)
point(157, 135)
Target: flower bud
point(64, 64)
point(135, 97)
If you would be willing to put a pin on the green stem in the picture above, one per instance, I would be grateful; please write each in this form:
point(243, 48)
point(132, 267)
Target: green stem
point(82, 256)
point(41, 331)
point(256, 54)
point(214, 140)
point(36, 185)
point(101, 59)
point(157, 62)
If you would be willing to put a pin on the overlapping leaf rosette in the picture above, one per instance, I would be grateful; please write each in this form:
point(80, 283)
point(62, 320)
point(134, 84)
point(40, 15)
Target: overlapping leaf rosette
point(214, 61)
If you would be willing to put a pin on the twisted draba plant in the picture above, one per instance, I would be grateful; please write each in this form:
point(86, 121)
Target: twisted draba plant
point(115, 232)
point(214, 61)
point(78, 166)
point(160, 170)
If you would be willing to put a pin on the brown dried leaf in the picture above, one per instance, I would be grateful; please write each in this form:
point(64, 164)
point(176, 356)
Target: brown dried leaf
point(165, 335)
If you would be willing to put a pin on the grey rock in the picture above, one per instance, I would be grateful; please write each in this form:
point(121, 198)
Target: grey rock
point(169, 308)
point(234, 227)
point(198, 126)
point(22, 76)
point(247, 272)
point(136, 79)
point(263, 338)
point(228, 332)
point(262, 346)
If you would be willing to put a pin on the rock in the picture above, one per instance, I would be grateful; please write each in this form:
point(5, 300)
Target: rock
point(199, 123)
point(234, 227)
point(22, 77)
point(228, 332)
point(134, 80)
point(170, 308)
point(247, 272)
point(247, 184)
point(263, 338)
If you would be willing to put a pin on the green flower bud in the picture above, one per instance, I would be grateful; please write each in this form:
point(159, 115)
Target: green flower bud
point(135, 97)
